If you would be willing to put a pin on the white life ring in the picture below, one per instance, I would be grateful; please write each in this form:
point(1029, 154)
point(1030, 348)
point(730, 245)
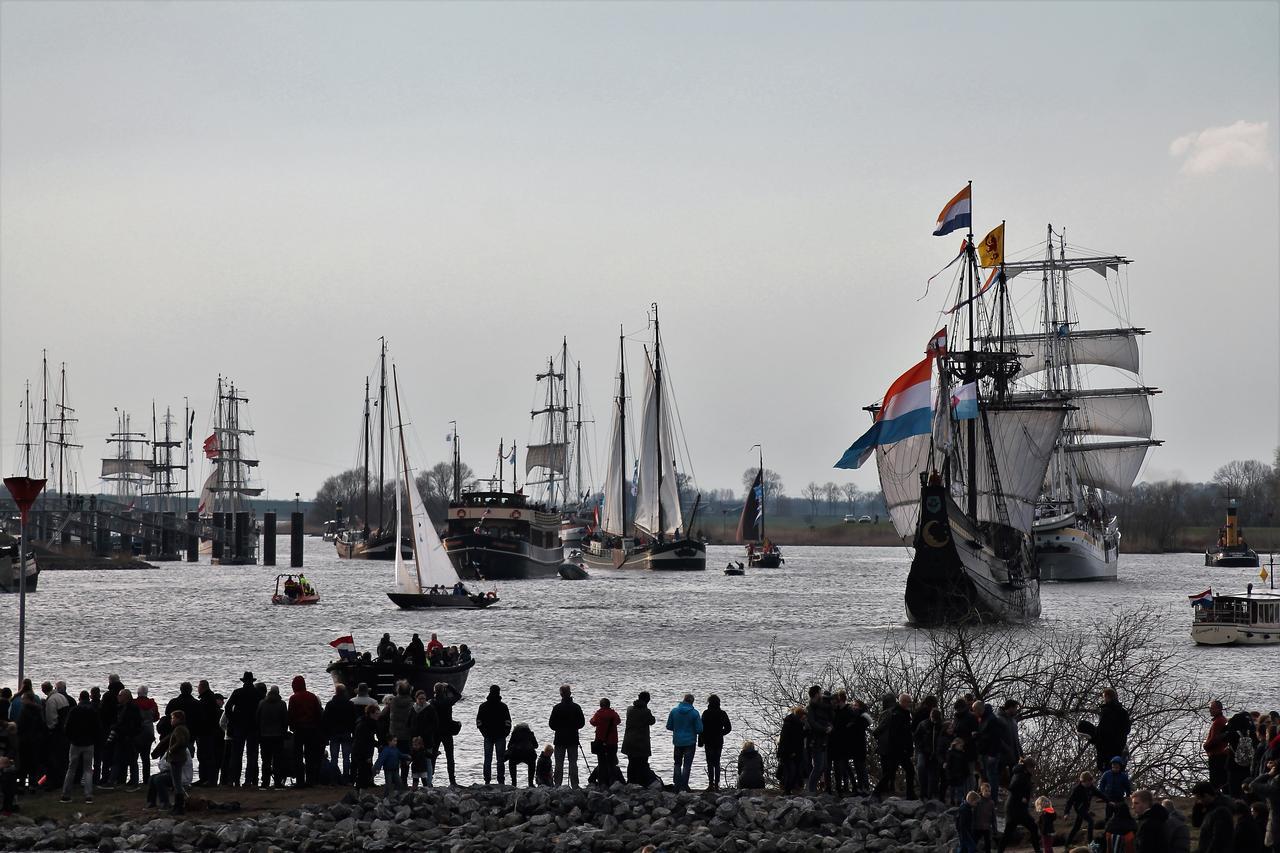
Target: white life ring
point(515, 513)
point(462, 513)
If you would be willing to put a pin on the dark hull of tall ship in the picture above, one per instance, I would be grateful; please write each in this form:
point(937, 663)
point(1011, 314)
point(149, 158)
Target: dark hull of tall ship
point(957, 576)
point(1228, 557)
point(382, 677)
point(373, 548)
point(490, 558)
point(682, 555)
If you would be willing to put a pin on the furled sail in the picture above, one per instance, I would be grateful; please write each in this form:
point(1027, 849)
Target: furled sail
point(1111, 465)
point(900, 465)
point(1022, 442)
point(554, 457)
point(615, 480)
point(129, 468)
point(655, 427)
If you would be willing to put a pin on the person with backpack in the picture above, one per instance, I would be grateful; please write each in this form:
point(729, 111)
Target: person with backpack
point(604, 746)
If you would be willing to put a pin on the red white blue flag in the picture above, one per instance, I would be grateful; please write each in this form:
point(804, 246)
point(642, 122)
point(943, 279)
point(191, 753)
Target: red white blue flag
point(1204, 599)
point(907, 410)
point(346, 646)
point(956, 214)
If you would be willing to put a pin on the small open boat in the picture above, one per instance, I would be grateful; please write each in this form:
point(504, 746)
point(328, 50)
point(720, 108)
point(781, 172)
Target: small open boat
point(291, 591)
point(735, 569)
point(433, 581)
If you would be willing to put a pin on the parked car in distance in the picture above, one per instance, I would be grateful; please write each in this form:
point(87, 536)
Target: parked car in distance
point(866, 519)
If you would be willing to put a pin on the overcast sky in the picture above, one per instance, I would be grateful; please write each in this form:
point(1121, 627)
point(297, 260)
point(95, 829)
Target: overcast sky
point(263, 189)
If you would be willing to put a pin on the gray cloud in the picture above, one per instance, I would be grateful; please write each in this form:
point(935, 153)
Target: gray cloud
point(1242, 145)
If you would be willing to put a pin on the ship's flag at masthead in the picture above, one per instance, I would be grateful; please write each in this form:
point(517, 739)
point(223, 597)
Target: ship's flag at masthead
point(956, 214)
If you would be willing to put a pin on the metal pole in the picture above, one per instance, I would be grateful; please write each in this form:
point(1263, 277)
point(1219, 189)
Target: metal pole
point(22, 596)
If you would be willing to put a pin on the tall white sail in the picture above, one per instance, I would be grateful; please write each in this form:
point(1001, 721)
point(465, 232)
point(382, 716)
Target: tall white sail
point(612, 520)
point(1112, 465)
point(406, 576)
point(655, 435)
point(434, 564)
point(1116, 348)
point(1022, 442)
point(900, 465)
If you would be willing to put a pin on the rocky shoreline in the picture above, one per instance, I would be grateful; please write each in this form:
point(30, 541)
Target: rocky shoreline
point(469, 820)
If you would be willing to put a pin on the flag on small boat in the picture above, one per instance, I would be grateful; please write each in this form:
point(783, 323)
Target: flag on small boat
point(907, 410)
point(956, 214)
point(1204, 599)
point(964, 401)
point(346, 646)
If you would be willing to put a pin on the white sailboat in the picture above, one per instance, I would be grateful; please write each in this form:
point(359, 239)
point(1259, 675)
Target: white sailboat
point(1107, 430)
point(432, 580)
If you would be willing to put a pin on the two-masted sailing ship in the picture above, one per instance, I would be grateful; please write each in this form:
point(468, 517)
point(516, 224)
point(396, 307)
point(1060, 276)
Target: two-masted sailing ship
point(961, 478)
point(554, 459)
point(761, 552)
point(361, 541)
point(1106, 432)
point(656, 535)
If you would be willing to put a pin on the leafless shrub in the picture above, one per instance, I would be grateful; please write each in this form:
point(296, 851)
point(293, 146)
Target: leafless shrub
point(1056, 672)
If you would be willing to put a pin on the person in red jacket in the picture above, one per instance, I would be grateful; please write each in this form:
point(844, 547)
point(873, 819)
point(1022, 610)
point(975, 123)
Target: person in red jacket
point(1217, 747)
point(605, 746)
point(306, 717)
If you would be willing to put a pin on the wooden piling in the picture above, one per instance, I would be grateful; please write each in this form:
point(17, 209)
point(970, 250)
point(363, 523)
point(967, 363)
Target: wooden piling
point(268, 539)
point(295, 540)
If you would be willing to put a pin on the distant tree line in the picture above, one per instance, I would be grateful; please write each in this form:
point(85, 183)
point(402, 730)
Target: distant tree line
point(435, 484)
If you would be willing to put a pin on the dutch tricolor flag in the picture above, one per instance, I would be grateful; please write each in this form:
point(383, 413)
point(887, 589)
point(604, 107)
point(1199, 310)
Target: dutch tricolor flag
point(956, 214)
point(907, 410)
point(1204, 599)
point(346, 646)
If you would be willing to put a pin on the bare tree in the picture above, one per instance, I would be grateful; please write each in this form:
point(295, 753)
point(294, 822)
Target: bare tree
point(347, 489)
point(831, 491)
point(1057, 673)
point(772, 483)
point(851, 494)
point(812, 493)
point(436, 486)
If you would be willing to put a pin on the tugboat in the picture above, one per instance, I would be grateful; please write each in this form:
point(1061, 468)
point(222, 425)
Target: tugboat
point(291, 591)
point(1232, 551)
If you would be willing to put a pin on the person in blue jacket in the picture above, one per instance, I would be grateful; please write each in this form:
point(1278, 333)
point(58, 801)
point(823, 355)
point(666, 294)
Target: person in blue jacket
point(685, 724)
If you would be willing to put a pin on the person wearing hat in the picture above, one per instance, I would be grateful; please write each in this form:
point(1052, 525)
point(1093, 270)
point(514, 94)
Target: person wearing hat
point(242, 730)
point(635, 740)
point(493, 719)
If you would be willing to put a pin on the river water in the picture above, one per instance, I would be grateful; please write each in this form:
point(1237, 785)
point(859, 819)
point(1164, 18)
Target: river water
point(612, 635)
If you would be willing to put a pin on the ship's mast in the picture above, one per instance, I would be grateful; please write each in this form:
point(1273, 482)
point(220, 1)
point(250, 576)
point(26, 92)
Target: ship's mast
point(577, 437)
point(44, 415)
point(501, 461)
point(365, 518)
point(762, 491)
point(622, 426)
point(457, 464)
point(657, 408)
point(404, 464)
point(564, 413)
point(971, 375)
point(382, 431)
point(26, 445)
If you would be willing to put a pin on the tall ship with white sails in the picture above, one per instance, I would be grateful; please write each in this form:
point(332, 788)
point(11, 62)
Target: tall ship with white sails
point(961, 475)
point(1106, 433)
point(659, 538)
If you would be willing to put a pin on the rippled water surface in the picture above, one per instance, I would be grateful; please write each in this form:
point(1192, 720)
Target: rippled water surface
point(613, 635)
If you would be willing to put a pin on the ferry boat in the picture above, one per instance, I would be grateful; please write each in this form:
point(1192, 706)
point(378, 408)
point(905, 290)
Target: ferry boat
point(1250, 618)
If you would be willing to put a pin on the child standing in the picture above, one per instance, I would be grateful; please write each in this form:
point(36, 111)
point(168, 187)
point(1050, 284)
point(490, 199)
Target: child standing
point(984, 818)
point(543, 771)
point(956, 769)
point(1081, 802)
point(1044, 822)
point(420, 761)
point(1114, 786)
point(967, 843)
point(389, 763)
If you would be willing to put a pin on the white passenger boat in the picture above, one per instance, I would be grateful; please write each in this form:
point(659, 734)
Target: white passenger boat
point(1250, 618)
